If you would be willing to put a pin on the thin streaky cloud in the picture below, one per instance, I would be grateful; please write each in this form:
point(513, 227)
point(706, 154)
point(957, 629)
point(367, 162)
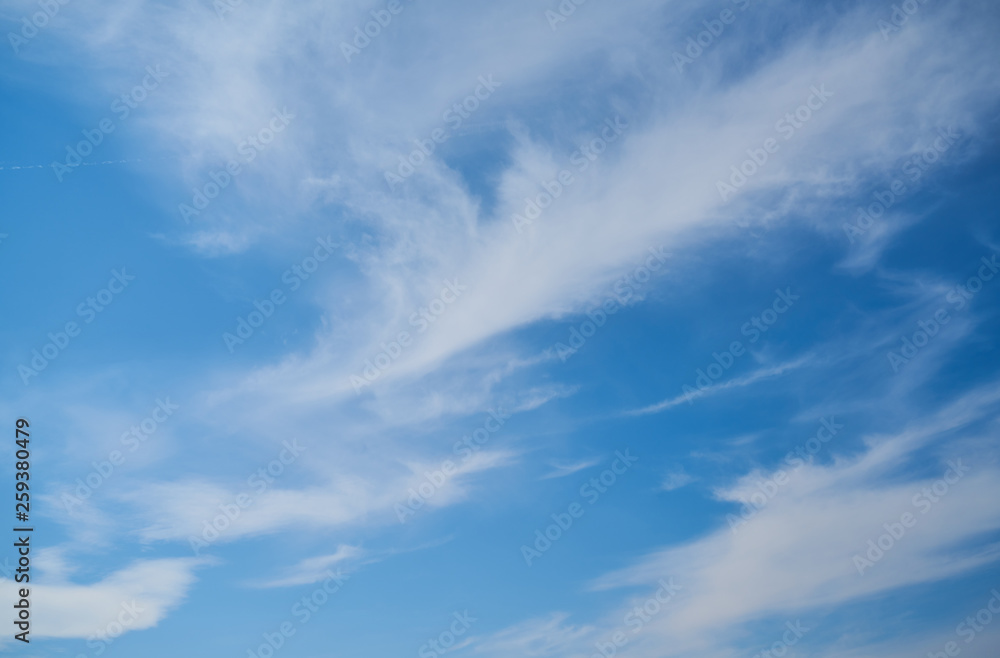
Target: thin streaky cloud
point(562, 470)
point(739, 382)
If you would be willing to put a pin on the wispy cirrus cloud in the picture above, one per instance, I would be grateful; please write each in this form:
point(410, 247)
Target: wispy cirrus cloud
point(797, 554)
point(655, 185)
point(562, 470)
point(135, 597)
point(737, 382)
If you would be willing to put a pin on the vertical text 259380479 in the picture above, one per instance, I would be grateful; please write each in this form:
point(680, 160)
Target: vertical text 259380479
point(22, 508)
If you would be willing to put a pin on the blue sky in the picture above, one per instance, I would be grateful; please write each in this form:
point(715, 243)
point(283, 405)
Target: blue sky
point(519, 329)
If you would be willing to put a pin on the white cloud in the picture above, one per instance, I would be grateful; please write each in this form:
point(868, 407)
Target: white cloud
point(562, 470)
point(537, 637)
point(658, 183)
point(180, 511)
point(314, 569)
point(137, 597)
point(736, 382)
point(656, 186)
point(795, 555)
point(676, 480)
